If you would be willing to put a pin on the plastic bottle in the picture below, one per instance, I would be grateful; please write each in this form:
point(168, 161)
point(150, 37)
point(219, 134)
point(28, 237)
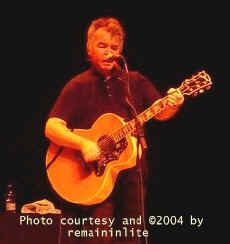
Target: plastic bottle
point(10, 199)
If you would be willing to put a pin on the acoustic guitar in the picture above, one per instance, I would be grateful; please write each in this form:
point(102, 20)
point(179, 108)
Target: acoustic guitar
point(91, 183)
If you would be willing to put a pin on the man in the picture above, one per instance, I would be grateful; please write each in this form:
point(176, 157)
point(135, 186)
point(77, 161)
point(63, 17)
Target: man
point(103, 89)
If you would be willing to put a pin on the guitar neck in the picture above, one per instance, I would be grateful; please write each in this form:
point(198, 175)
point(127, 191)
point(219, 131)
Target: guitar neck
point(143, 117)
point(197, 84)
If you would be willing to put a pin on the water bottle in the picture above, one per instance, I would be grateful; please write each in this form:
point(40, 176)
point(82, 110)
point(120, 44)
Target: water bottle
point(10, 199)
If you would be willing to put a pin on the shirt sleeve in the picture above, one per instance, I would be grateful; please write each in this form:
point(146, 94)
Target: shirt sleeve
point(69, 103)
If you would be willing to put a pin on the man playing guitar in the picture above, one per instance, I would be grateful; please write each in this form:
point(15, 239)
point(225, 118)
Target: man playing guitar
point(98, 91)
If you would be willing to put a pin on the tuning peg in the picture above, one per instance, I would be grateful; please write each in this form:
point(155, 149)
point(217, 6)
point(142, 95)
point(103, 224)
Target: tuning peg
point(195, 94)
point(208, 87)
point(201, 90)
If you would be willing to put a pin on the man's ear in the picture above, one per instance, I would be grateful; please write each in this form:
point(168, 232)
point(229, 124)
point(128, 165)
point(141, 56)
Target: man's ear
point(88, 49)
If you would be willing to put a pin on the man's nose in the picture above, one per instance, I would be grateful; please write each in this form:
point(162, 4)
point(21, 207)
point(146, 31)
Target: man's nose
point(109, 55)
point(108, 51)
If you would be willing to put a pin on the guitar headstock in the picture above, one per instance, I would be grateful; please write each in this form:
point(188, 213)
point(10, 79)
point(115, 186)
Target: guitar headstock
point(197, 84)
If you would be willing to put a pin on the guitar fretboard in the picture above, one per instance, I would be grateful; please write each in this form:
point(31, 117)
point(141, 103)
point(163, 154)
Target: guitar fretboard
point(143, 117)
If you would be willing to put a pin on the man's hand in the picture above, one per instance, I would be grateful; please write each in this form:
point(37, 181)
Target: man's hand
point(90, 151)
point(174, 98)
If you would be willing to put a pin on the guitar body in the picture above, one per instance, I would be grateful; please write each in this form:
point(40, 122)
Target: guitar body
point(76, 181)
point(91, 183)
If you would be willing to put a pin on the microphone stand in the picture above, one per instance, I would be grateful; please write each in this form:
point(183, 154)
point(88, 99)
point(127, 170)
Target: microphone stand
point(139, 133)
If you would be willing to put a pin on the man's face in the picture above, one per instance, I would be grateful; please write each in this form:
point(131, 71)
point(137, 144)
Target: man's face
point(103, 47)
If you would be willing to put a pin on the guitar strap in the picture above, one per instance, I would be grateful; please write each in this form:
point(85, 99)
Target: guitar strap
point(55, 156)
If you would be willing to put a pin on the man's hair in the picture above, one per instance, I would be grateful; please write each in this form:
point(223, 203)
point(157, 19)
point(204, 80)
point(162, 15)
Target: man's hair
point(110, 24)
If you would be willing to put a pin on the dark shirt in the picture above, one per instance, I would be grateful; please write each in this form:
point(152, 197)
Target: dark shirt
point(85, 98)
point(88, 95)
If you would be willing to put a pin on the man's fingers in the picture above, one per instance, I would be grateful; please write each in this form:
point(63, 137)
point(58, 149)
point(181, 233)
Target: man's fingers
point(171, 102)
point(175, 92)
point(171, 90)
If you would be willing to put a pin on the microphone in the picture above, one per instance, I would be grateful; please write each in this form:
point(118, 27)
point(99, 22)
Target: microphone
point(112, 57)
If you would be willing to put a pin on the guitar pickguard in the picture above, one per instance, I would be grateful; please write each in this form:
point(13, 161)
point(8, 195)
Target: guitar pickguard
point(110, 151)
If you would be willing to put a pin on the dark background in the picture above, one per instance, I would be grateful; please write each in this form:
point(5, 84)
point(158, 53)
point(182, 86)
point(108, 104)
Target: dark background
point(45, 47)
